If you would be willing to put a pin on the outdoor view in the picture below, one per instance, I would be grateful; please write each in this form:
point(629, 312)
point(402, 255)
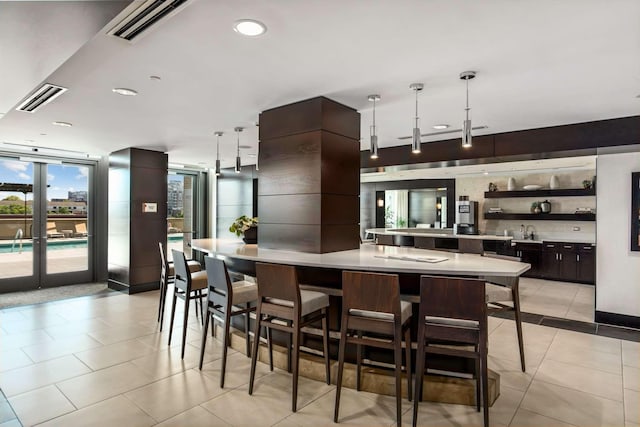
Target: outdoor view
point(64, 216)
point(179, 213)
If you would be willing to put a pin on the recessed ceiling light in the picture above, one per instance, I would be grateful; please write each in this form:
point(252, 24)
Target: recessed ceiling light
point(43, 134)
point(245, 147)
point(439, 127)
point(63, 124)
point(124, 91)
point(155, 78)
point(249, 27)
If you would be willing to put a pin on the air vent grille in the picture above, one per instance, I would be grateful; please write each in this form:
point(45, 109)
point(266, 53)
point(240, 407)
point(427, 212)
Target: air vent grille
point(41, 97)
point(144, 17)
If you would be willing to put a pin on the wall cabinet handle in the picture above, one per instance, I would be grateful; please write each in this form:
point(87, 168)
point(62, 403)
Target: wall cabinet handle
point(578, 257)
point(560, 257)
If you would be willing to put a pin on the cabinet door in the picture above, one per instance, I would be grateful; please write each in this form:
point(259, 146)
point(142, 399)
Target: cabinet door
point(532, 257)
point(550, 265)
point(586, 267)
point(568, 266)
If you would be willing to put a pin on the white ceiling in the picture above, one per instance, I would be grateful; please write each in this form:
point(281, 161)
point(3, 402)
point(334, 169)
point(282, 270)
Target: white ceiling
point(539, 63)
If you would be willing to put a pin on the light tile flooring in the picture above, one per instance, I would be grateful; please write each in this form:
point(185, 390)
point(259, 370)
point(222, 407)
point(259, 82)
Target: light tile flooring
point(573, 301)
point(102, 362)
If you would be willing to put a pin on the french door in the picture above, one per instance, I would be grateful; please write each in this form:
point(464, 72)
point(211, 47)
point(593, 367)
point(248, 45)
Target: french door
point(46, 223)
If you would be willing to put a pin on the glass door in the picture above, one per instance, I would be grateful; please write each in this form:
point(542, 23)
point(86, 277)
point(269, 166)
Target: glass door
point(45, 226)
point(183, 211)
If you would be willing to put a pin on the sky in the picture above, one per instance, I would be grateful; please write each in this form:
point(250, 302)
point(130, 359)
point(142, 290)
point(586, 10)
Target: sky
point(60, 178)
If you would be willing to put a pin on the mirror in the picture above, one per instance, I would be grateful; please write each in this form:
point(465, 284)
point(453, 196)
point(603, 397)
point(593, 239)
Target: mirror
point(422, 208)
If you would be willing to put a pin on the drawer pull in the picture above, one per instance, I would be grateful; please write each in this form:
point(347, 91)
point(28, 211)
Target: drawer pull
point(550, 246)
point(568, 246)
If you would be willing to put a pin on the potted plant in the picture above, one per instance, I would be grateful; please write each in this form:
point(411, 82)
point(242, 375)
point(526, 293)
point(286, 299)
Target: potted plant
point(246, 226)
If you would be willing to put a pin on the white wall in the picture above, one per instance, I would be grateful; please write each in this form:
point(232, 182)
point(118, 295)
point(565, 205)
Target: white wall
point(618, 268)
point(474, 187)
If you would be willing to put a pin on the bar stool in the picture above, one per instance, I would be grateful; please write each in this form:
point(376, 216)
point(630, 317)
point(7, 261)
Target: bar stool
point(501, 290)
point(453, 311)
point(280, 298)
point(371, 304)
point(223, 298)
point(186, 286)
point(167, 275)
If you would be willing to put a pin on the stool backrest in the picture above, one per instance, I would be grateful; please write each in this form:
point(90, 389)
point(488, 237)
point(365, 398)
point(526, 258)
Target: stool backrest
point(220, 288)
point(163, 259)
point(371, 291)
point(453, 298)
point(278, 281)
point(183, 275)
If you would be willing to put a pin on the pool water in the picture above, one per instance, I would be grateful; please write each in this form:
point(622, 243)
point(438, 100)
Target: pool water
point(6, 248)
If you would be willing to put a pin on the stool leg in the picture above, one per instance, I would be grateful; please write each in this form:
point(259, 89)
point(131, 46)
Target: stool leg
point(407, 341)
point(420, 359)
point(256, 344)
point(295, 360)
point(325, 343)
point(478, 382)
point(341, 348)
point(397, 359)
point(225, 343)
point(173, 314)
point(204, 338)
point(516, 309)
point(358, 361)
point(485, 386)
point(289, 323)
point(247, 319)
point(270, 347)
point(184, 324)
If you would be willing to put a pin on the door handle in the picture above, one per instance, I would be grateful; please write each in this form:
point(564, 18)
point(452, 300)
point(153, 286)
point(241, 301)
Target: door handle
point(560, 257)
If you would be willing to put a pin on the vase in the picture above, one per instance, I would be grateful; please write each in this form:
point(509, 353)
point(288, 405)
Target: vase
point(553, 183)
point(511, 184)
point(251, 235)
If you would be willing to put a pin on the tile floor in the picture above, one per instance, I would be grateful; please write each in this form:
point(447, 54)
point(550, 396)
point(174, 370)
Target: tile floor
point(573, 301)
point(102, 362)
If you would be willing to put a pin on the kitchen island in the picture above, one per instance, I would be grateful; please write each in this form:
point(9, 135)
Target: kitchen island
point(325, 270)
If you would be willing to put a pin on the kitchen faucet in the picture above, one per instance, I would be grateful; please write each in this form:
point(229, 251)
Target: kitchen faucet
point(529, 235)
point(522, 232)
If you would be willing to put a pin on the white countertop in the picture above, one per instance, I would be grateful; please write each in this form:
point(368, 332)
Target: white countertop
point(428, 232)
point(370, 258)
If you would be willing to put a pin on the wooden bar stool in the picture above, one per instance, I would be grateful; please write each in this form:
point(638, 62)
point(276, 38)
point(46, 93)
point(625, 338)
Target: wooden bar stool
point(167, 274)
point(371, 305)
point(501, 290)
point(453, 311)
point(226, 299)
point(186, 286)
point(280, 299)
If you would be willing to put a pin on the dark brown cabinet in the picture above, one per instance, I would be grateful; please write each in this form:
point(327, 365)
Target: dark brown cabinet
point(530, 253)
point(571, 262)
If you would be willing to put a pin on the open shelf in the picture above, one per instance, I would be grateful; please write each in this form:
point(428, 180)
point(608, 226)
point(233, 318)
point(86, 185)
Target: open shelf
point(541, 193)
point(542, 216)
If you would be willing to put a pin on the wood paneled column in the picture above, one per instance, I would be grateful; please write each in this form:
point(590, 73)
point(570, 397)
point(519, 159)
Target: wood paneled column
point(137, 185)
point(309, 177)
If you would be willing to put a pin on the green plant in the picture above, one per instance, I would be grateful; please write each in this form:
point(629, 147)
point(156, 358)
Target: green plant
point(389, 217)
point(242, 224)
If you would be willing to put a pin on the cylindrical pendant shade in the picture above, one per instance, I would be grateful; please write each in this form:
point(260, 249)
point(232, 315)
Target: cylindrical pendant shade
point(217, 167)
point(238, 164)
point(415, 144)
point(466, 133)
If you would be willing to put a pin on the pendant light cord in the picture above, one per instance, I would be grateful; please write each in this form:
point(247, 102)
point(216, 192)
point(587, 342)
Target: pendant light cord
point(417, 118)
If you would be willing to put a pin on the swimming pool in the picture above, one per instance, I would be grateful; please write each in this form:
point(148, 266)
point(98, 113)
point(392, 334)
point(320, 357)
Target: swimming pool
point(6, 247)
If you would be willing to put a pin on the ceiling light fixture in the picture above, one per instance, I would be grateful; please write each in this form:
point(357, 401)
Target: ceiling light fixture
point(440, 127)
point(238, 161)
point(249, 27)
point(415, 140)
point(373, 147)
point(466, 124)
point(124, 91)
point(218, 135)
point(63, 124)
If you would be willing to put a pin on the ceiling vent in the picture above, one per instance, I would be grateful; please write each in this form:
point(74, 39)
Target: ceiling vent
point(146, 16)
point(41, 97)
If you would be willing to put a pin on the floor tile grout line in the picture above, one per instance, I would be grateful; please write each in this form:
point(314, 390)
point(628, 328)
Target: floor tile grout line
point(580, 391)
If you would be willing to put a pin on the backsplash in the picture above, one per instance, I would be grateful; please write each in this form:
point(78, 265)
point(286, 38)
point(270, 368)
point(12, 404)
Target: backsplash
point(543, 230)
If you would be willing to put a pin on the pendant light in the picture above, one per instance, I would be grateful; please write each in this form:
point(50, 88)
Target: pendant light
point(466, 124)
point(415, 140)
point(238, 162)
point(218, 135)
point(373, 148)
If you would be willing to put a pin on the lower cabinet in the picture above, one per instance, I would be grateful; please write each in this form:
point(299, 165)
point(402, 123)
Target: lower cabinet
point(530, 253)
point(571, 262)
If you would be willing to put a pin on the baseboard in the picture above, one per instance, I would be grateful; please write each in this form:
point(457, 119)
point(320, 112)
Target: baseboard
point(135, 289)
point(617, 319)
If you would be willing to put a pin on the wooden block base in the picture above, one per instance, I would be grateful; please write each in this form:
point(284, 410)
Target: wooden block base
point(436, 388)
